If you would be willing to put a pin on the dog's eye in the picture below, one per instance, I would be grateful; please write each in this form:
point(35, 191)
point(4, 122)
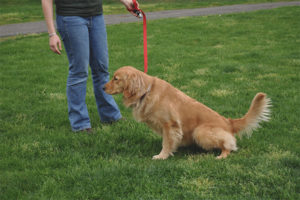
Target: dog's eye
point(115, 78)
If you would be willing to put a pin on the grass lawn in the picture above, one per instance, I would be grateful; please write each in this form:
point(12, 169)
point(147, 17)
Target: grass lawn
point(16, 11)
point(222, 61)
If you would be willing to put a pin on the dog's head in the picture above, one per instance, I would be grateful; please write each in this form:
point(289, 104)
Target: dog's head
point(129, 81)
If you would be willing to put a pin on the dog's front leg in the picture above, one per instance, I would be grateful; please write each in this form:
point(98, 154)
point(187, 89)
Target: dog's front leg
point(172, 135)
point(166, 149)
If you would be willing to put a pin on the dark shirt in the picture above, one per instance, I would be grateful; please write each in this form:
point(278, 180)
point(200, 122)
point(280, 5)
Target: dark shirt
point(83, 8)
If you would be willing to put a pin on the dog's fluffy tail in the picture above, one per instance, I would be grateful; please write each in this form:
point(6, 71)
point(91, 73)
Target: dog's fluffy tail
point(259, 111)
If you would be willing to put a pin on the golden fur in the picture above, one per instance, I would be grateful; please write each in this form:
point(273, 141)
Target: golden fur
point(178, 118)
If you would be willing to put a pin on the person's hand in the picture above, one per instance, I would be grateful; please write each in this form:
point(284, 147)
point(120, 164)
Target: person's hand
point(55, 44)
point(129, 5)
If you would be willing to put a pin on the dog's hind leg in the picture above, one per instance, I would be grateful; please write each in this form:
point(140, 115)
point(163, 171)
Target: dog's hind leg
point(215, 138)
point(172, 136)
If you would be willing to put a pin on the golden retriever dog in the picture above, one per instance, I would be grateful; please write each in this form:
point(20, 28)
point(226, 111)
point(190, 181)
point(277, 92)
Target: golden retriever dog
point(178, 118)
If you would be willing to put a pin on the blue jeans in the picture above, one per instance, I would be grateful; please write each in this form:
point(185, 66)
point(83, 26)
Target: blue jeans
point(85, 41)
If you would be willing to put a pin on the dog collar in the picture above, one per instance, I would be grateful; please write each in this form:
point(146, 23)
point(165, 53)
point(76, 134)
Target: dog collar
point(144, 95)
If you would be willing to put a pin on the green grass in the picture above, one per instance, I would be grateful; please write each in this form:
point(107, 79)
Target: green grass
point(16, 11)
point(222, 61)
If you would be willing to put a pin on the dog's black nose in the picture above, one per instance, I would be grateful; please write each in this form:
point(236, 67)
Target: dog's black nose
point(103, 88)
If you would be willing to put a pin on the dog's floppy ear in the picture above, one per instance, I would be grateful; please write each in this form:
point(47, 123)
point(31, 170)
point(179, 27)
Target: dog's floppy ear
point(127, 93)
point(135, 86)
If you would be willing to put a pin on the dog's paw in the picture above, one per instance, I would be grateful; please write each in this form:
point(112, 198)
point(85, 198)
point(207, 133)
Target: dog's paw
point(160, 157)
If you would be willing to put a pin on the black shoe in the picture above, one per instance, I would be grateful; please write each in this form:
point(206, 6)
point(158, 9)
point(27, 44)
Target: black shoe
point(87, 130)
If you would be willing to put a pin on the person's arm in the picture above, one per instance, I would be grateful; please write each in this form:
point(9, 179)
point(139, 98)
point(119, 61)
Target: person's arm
point(129, 5)
point(54, 41)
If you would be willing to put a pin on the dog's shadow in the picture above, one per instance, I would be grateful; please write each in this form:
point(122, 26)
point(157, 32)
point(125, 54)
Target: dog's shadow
point(152, 146)
point(195, 150)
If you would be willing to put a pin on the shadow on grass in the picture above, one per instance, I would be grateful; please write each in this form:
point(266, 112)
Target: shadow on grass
point(196, 150)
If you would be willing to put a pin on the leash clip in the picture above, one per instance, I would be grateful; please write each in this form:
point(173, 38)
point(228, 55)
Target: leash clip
point(138, 13)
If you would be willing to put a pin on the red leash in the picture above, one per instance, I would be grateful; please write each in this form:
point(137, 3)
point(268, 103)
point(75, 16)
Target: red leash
point(138, 11)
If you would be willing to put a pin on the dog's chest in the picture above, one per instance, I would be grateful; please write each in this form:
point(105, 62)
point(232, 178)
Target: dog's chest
point(144, 112)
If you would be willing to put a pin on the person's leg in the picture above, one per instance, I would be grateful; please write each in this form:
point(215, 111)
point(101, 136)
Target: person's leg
point(107, 107)
point(75, 35)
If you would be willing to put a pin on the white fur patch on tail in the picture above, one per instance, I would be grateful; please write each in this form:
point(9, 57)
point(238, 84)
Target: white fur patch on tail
point(254, 122)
